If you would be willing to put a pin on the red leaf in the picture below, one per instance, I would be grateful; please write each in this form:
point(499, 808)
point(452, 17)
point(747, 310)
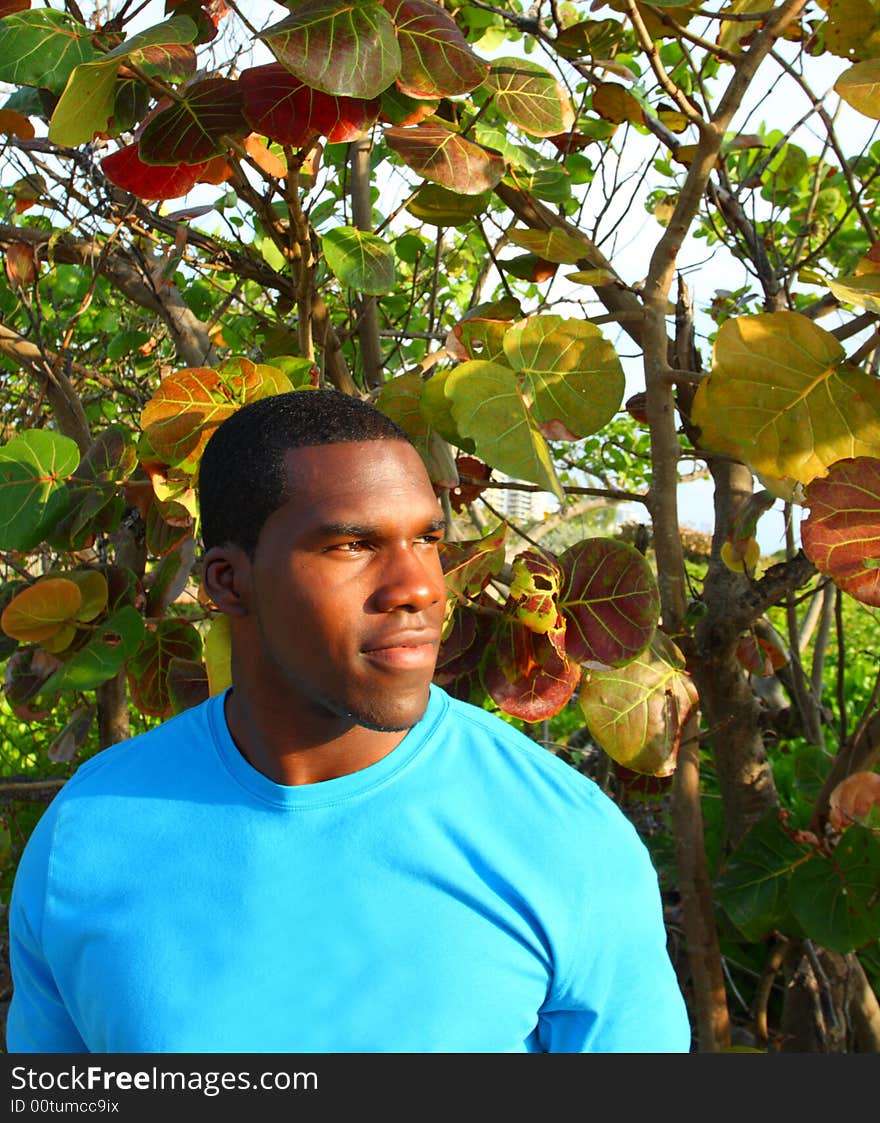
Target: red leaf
point(466, 493)
point(126, 169)
point(841, 536)
point(527, 678)
point(7, 7)
point(198, 127)
point(280, 107)
point(609, 600)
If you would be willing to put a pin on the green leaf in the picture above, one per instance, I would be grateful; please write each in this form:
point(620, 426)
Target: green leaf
point(753, 889)
point(553, 245)
point(346, 47)
point(33, 469)
point(400, 398)
point(440, 207)
point(115, 641)
point(837, 899)
point(41, 48)
point(576, 378)
point(88, 100)
point(487, 406)
point(860, 87)
point(362, 261)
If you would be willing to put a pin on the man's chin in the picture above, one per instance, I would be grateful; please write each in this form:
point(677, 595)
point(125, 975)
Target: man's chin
point(393, 719)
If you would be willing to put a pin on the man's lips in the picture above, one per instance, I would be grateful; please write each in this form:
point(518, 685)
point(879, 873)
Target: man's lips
point(407, 651)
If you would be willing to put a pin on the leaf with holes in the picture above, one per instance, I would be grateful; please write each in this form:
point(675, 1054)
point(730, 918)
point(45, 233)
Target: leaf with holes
point(489, 407)
point(836, 899)
point(534, 591)
point(637, 712)
point(400, 398)
point(841, 535)
point(147, 670)
point(470, 565)
point(781, 392)
point(284, 109)
point(42, 48)
point(436, 60)
point(42, 610)
point(197, 127)
point(447, 158)
point(552, 245)
point(127, 170)
point(530, 97)
point(610, 602)
point(338, 46)
point(527, 677)
point(116, 640)
point(33, 498)
point(753, 890)
point(88, 101)
point(575, 377)
point(480, 335)
point(362, 261)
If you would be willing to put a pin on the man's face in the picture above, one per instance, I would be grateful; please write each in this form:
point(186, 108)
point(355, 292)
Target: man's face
point(347, 592)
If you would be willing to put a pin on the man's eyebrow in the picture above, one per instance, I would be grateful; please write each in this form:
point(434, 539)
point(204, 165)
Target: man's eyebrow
point(366, 530)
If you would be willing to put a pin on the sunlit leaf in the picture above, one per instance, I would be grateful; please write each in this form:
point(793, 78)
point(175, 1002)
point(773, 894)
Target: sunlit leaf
point(862, 290)
point(616, 104)
point(362, 261)
point(534, 591)
point(575, 377)
point(488, 407)
point(780, 393)
point(196, 128)
point(860, 87)
point(529, 96)
point(836, 898)
point(855, 800)
point(41, 48)
point(41, 610)
point(282, 108)
point(33, 469)
point(469, 565)
point(338, 46)
point(398, 109)
point(436, 60)
point(526, 675)
point(126, 169)
point(447, 158)
point(218, 655)
point(147, 670)
point(400, 398)
point(637, 712)
point(553, 245)
point(94, 592)
point(437, 408)
point(439, 207)
point(841, 535)
point(88, 100)
point(610, 602)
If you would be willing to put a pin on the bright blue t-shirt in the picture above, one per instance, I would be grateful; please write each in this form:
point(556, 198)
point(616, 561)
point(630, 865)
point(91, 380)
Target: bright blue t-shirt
point(470, 892)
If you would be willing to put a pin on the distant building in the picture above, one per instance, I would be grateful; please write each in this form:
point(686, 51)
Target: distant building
point(521, 506)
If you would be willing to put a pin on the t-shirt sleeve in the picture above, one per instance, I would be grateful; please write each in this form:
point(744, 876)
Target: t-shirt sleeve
point(38, 1021)
point(614, 989)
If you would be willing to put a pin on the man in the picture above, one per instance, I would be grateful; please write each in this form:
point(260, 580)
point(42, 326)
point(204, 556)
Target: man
point(334, 856)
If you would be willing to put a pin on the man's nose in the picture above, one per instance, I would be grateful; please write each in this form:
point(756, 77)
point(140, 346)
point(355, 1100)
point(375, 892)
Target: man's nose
point(412, 580)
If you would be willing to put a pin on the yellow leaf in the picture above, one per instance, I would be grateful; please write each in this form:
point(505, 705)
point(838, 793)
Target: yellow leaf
point(615, 103)
point(781, 398)
point(218, 655)
point(860, 87)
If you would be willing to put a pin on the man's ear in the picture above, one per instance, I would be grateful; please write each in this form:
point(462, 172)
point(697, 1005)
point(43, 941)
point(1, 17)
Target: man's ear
point(226, 575)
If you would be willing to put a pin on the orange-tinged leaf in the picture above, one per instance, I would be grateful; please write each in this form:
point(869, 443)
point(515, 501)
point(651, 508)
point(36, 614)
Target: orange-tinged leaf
point(616, 104)
point(265, 160)
point(41, 610)
point(13, 123)
point(217, 170)
point(447, 158)
point(841, 536)
point(853, 799)
point(741, 556)
point(7, 7)
point(21, 264)
point(552, 245)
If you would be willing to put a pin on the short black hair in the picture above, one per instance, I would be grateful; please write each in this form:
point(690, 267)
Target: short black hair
point(241, 473)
